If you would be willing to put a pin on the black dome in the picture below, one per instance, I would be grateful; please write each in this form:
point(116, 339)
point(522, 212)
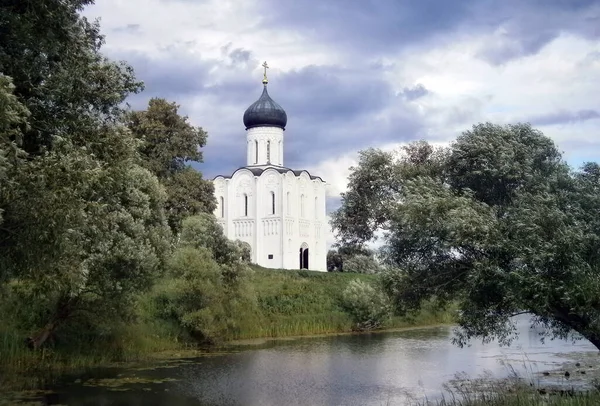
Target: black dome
point(265, 113)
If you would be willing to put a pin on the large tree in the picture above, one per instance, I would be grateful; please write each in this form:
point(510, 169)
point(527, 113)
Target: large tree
point(167, 143)
point(497, 221)
point(83, 227)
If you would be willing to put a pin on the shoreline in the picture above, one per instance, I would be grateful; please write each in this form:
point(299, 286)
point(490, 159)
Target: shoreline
point(263, 340)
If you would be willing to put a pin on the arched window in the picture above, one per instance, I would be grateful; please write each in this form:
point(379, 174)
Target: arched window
point(255, 151)
point(288, 202)
point(302, 206)
point(245, 205)
point(222, 204)
point(268, 152)
point(272, 202)
point(316, 215)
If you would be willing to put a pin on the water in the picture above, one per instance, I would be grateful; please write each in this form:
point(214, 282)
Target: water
point(368, 369)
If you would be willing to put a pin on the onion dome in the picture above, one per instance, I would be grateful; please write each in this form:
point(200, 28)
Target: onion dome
point(265, 112)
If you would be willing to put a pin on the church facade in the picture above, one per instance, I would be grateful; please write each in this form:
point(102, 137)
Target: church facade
point(279, 212)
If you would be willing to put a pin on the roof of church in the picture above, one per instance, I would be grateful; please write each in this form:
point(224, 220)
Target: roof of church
point(265, 112)
point(257, 171)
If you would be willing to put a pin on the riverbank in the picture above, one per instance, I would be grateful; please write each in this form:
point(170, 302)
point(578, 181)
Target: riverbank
point(383, 368)
point(288, 304)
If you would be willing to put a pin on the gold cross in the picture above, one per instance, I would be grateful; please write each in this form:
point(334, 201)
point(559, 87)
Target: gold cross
point(264, 65)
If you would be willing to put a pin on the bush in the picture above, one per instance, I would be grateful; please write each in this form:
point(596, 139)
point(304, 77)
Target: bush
point(206, 289)
point(361, 264)
point(368, 307)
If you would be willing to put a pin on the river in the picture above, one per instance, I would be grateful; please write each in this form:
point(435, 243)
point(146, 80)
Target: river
point(386, 368)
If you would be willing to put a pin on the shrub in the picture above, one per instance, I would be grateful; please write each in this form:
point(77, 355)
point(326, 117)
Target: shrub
point(361, 264)
point(368, 307)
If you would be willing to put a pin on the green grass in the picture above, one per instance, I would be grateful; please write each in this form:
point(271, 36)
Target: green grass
point(294, 302)
point(517, 395)
point(289, 303)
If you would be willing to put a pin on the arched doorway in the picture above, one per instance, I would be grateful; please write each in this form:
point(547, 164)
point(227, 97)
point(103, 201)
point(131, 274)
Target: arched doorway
point(303, 256)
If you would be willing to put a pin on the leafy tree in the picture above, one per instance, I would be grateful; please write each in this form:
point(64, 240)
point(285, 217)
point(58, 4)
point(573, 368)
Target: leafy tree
point(334, 261)
point(497, 221)
point(337, 256)
point(206, 290)
point(168, 142)
point(361, 264)
point(83, 228)
point(52, 55)
point(13, 123)
point(369, 308)
point(203, 230)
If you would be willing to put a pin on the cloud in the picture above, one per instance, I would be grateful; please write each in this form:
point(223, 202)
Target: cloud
point(564, 117)
point(354, 74)
point(415, 92)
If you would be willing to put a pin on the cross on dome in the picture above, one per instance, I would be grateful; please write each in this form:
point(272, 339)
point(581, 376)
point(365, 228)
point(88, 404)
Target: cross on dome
point(265, 66)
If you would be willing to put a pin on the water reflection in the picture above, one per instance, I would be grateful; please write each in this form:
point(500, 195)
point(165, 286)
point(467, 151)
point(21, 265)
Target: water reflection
point(368, 369)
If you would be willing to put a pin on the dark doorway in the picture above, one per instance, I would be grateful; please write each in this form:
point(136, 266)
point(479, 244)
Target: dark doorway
point(303, 258)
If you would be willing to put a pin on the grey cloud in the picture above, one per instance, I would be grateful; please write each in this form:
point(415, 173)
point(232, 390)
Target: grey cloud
point(367, 29)
point(415, 92)
point(524, 28)
point(564, 116)
point(130, 28)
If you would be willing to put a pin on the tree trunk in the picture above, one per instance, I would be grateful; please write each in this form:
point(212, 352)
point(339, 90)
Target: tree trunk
point(578, 323)
point(64, 309)
point(37, 340)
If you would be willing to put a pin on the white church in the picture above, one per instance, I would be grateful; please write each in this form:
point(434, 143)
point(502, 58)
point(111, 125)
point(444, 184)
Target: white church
point(279, 212)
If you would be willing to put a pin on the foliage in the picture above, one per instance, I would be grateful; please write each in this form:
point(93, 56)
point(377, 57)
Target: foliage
point(13, 122)
point(206, 286)
point(361, 264)
point(334, 261)
point(167, 143)
point(368, 307)
point(497, 221)
point(83, 228)
point(188, 194)
point(341, 253)
point(52, 54)
point(203, 230)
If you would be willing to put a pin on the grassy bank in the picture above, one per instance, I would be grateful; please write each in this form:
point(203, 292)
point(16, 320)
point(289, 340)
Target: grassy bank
point(288, 303)
point(293, 303)
point(489, 392)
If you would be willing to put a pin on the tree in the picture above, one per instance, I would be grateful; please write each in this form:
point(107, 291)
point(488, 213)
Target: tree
point(13, 123)
point(338, 255)
point(52, 54)
point(168, 142)
point(497, 222)
point(369, 307)
point(206, 289)
point(83, 227)
point(361, 264)
point(334, 261)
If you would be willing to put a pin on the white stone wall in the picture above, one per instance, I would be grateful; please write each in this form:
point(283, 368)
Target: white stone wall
point(264, 146)
point(275, 238)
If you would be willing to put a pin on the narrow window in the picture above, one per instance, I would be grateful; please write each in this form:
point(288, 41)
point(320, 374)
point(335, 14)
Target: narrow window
point(255, 151)
point(289, 204)
point(302, 206)
point(280, 154)
point(268, 152)
point(272, 202)
point(222, 202)
point(245, 205)
point(316, 215)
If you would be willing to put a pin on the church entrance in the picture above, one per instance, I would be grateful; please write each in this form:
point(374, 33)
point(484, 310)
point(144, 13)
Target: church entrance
point(303, 256)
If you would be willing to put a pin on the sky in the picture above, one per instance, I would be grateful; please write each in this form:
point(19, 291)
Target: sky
point(354, 74)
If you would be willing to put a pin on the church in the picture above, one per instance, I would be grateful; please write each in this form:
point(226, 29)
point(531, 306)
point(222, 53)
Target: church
point(279, 212)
